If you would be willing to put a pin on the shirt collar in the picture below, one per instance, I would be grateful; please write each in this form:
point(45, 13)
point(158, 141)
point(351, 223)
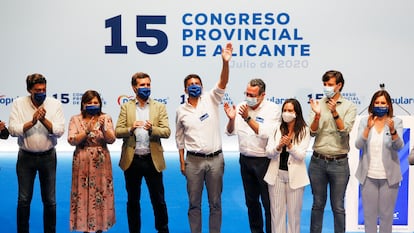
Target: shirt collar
point(146, 102)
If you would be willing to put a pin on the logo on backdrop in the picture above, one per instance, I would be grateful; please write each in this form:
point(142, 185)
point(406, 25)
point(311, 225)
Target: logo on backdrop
point(4, 100)
point(122, 99)
point(276, 100)
point(74, 98)
point(402, 100)
point(351, 96)
point(255, 34)
point(65, 98)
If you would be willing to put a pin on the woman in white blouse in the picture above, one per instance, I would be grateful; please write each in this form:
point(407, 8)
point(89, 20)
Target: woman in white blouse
point(379, 170)
point(287, 175)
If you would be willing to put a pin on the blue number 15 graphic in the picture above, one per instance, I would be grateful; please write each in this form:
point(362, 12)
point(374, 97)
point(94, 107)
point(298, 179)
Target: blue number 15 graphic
point(142, 32)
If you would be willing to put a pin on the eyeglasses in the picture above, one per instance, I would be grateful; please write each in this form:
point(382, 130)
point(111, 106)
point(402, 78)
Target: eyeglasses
point(250, 95)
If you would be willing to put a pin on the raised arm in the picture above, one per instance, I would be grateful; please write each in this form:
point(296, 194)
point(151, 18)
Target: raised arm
point(226, 55)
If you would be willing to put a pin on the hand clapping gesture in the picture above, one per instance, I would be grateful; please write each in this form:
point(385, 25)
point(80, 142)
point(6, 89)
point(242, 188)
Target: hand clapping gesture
point(285, 140)
point(316, 108)
point(230, 110)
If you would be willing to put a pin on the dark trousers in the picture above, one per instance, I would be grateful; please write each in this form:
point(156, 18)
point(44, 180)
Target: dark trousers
point(28, 165)
point(252, 171)
point(144, 167)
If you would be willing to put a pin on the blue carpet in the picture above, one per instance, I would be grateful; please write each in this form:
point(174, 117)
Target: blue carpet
point(234, 209)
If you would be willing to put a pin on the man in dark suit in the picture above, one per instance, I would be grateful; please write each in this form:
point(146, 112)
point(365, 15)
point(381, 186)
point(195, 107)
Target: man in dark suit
point(141, 124)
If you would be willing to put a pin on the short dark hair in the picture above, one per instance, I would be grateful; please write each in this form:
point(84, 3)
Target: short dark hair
point(139, 75)
point(190, 76)
point(334, 74)
point(258, 82)
point(33, 79)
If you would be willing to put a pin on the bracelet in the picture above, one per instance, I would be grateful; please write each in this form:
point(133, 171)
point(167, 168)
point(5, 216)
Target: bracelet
point(336, 117)
point(394, 133)
point(247, 119)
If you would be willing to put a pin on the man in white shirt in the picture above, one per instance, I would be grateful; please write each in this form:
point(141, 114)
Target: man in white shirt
point(198, 132)
point(253, 124)
point(38, 122)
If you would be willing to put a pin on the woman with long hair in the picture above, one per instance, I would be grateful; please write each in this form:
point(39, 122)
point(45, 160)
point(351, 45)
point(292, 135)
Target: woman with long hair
point(287, 175)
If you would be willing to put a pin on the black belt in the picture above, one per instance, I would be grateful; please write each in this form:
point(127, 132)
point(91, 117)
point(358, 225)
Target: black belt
point(42, 153)
point(148, 155)
point(204, 155)
point(329, 158)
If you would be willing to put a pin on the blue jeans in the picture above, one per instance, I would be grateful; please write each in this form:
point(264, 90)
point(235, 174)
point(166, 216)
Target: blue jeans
point(335, 174)
point(208, 171)
point(28, 164)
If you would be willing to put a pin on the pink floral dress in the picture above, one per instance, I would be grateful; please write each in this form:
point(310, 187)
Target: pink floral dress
point(92, 196)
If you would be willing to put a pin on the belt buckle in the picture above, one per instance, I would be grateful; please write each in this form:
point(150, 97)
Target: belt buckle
point(323, 157)
point(330, 158)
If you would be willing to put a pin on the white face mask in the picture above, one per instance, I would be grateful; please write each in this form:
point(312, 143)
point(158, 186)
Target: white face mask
point(329, 91)
point(288, 116)
point(251, 101)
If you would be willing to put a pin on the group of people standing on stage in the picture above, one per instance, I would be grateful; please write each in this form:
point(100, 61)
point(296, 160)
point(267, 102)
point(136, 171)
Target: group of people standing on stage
point(272, 145)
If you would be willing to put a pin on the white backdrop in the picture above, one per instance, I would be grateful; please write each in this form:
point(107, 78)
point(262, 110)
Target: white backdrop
point(80, 45)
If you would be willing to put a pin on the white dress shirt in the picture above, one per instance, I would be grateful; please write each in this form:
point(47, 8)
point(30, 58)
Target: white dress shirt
point(198, 129)
point(267, 114)
point(141, 135)
point(37, 138)
point(376, 168)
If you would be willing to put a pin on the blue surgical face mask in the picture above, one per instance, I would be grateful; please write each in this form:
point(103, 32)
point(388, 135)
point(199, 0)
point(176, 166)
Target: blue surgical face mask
point(144, 92)
point(251, 101)
point(93, 109)
point(39, 98)
point(380, 111)
point(194, 90)
point(329, 91)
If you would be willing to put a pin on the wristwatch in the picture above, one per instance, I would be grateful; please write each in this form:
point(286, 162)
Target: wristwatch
point(247, 119)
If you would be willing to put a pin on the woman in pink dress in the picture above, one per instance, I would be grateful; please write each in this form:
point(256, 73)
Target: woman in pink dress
point(92, 196)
